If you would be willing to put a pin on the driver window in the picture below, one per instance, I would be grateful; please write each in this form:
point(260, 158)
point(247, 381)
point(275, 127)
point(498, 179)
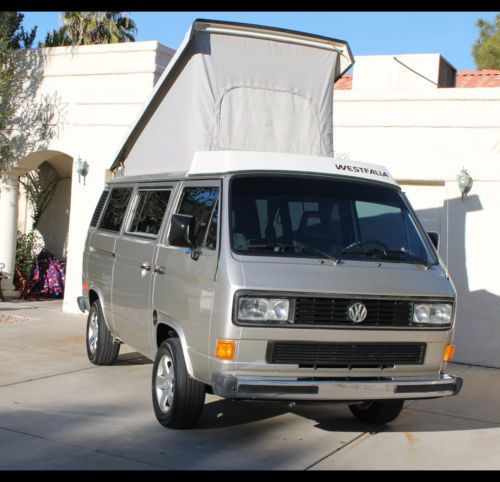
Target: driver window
point(200, 202)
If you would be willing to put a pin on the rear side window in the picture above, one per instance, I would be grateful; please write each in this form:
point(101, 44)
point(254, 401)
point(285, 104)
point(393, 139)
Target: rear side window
point(149, 211)
point(98, 209)
point(199, 202)
point(115, 210)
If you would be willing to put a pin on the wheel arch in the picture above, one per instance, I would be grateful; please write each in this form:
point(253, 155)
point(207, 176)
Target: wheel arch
point(94, 294)
point(167, 327)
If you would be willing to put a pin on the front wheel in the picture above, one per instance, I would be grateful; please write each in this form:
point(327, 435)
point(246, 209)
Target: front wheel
point(178, 399)
point(378, 412)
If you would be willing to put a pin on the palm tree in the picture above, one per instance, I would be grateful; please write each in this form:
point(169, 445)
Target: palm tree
point(87, 28)
point(56, 38)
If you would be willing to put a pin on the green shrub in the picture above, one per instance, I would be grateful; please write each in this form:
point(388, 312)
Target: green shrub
point(28, 247)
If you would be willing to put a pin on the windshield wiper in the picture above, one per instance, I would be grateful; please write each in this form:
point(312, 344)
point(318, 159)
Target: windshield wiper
point(285, 246)
point(383, 253)
point(318, 251)
point(399, 254)
point(368, 251)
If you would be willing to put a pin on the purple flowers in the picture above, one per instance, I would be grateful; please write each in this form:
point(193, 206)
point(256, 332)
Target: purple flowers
point(49, 275)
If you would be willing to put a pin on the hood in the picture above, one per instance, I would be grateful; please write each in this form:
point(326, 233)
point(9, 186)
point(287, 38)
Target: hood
point(347, 278)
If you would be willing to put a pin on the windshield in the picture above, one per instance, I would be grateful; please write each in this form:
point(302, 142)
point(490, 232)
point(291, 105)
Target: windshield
point(323, 218)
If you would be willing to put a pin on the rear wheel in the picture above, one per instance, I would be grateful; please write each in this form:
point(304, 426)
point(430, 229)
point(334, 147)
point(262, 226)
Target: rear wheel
point(377, 412)
point(102, 349)
point(178, 399)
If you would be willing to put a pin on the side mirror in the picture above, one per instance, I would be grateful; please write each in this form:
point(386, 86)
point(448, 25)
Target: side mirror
point(434, 237)
point(182, 231)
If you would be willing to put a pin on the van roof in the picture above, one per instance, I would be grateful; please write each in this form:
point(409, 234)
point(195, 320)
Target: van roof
point(219, 163)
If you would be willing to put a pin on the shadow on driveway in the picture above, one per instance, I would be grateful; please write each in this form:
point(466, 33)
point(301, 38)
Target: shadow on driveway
point(133, 358)
point(103, 417)
point(470, 405)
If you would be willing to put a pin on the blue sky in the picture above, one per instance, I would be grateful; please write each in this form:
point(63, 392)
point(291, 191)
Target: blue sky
point(450, 33)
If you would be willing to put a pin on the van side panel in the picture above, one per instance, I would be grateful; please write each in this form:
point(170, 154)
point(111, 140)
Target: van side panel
point(132, 315)
point(186, 296)
point(184, 292)
point(100, 269)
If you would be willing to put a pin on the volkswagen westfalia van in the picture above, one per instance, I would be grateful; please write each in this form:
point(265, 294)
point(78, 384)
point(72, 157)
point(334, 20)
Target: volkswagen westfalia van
point(266, 276)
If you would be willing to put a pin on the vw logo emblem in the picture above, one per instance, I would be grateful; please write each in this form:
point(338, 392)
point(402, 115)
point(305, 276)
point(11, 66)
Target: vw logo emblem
point(357, 312)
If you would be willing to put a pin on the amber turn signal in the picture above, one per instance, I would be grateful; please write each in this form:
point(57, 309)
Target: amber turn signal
point(225, 349)
point(449, 351)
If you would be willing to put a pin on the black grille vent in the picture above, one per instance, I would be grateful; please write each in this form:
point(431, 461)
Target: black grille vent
point(333, 311)
point(98, 209)
point(342, 355)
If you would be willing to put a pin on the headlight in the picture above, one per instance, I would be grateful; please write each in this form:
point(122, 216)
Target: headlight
point(432, 313)
point(263, 309)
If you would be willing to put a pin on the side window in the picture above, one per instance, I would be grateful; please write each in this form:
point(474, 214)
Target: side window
point(149, 211)
point(115, 210)
point(211, 241)
point(199, 202)
point(99, 207)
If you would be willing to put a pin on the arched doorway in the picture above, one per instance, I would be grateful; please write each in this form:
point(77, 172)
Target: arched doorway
point(37, 196)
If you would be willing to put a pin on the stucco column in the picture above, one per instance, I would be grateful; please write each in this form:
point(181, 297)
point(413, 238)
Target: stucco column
point(8, 232)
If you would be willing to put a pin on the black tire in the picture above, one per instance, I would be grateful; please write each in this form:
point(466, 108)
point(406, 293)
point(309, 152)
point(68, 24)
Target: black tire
point(103, 350)
point(379, 412)
point(184, 408)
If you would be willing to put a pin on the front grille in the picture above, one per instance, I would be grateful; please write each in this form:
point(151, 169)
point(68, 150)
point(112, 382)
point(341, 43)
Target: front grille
point(345, 355)
point(333, 311)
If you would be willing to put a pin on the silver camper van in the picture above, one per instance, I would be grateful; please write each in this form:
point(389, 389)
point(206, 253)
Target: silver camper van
point(275, 273)
point(310, 282)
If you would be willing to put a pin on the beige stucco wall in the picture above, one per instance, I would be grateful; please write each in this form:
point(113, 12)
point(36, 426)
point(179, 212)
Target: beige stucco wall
point(429, 135)
point(53, 225)
point(98, 91)
point(396, 72)
point(420, 133)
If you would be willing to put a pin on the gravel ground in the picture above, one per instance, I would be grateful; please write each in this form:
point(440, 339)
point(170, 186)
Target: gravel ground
point(9, 319)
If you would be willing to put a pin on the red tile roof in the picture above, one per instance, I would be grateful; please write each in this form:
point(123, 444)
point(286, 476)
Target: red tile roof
point(344, 83)
point(478, 78)
point(465, 79)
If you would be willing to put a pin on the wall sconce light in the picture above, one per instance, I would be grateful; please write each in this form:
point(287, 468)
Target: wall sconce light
point(82, 168)
point(464, 182)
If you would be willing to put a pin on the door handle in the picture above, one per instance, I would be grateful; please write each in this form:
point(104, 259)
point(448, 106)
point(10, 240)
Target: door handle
point(146, 266)
point(159, 269)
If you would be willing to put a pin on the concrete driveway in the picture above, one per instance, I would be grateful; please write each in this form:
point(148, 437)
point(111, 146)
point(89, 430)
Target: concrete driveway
point(58, 411)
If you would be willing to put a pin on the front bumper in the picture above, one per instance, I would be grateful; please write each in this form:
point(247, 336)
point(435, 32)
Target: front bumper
point(335, 389)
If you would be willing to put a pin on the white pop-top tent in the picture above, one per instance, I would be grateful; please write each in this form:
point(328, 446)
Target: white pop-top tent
point(238, 87)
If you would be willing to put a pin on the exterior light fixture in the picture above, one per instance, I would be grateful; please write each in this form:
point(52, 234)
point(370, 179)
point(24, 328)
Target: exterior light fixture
point(82, 168)
point(464, 181)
